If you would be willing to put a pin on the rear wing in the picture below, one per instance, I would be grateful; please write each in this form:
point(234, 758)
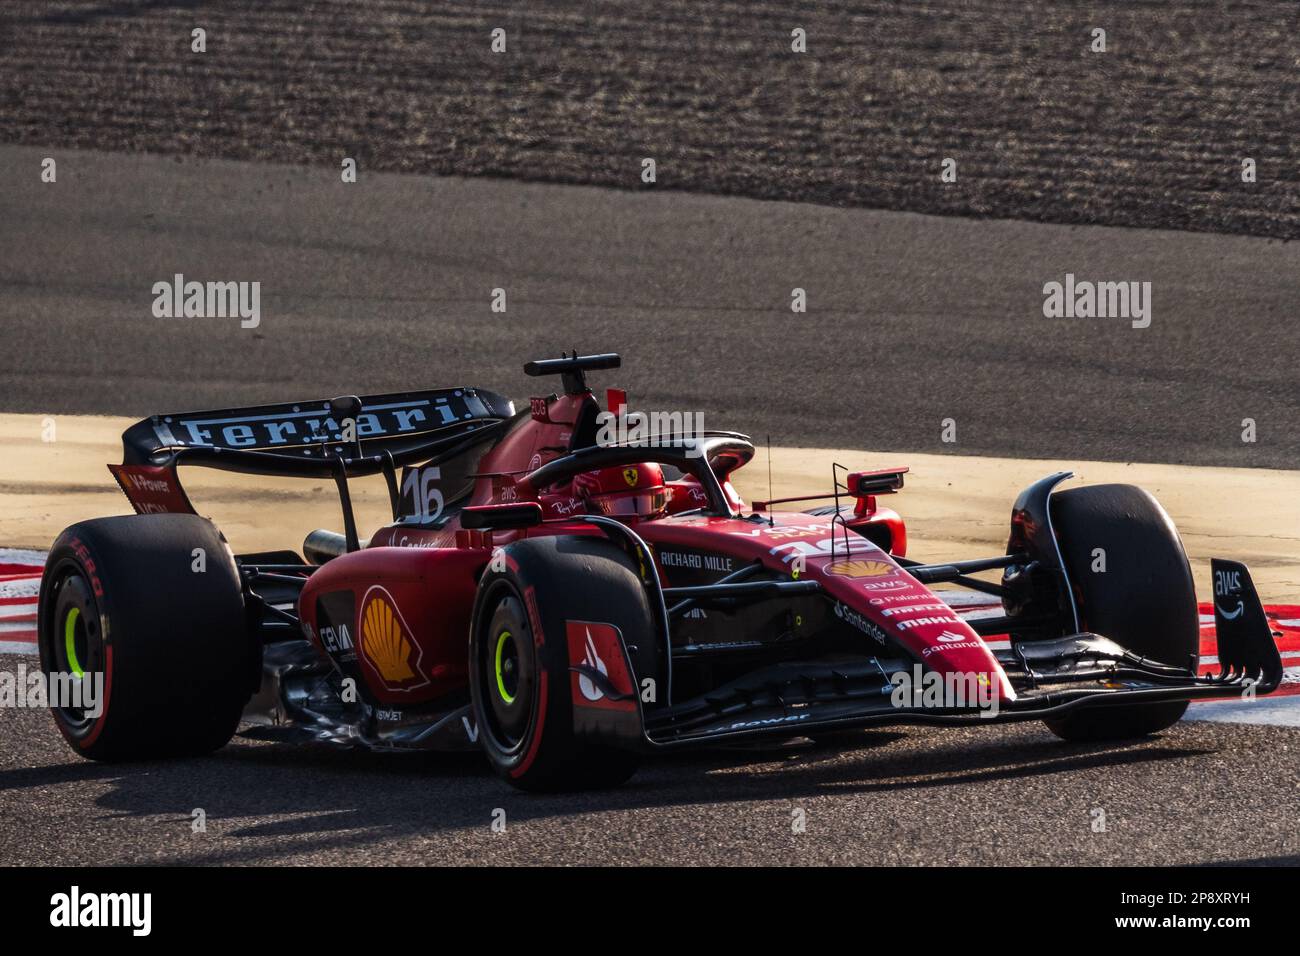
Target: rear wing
point(397, 423)
point(336, 438)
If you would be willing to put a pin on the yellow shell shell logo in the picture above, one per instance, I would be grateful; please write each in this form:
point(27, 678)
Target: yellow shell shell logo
point(384, 643)
point(630, 476)
point(860, 569)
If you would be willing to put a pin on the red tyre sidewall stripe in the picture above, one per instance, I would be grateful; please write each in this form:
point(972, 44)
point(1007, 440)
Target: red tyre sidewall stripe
point(539, 641)
point(95, 731)
point(536, 742)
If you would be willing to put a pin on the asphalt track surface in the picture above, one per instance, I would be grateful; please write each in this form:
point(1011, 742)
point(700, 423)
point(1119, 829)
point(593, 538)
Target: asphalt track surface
point(387, 283)
point(912, 319)
point(1151, 132)
point(1200, 793)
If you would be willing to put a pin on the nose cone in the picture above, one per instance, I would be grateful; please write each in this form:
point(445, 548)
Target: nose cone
point(913, 616)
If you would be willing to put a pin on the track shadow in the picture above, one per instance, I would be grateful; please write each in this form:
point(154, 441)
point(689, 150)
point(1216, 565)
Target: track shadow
point(257, 795)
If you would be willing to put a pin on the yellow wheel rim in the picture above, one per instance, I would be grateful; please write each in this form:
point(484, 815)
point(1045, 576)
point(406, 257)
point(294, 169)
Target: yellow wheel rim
point(508, 697)
point(70, 641)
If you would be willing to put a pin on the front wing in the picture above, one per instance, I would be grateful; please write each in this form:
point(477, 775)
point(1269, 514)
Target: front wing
point(1050, 678)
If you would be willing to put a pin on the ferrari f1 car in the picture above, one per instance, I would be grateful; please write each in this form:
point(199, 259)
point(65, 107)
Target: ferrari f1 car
point(570, 604)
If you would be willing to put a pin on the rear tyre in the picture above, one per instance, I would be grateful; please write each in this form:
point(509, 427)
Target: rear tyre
point(520, 679)
point(124, 599)
point(1145, 600)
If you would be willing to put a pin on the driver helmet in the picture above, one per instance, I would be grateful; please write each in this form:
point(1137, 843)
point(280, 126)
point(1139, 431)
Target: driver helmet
point(624, 491)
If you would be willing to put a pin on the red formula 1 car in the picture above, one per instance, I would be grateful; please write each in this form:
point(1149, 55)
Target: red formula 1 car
point(569, 604)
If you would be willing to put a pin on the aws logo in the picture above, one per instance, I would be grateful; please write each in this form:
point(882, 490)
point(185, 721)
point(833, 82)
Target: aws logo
point(386, 643)
point(1227, 584)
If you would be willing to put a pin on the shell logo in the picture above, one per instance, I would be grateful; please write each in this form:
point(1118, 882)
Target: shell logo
point(861, 569)
point(386, 644)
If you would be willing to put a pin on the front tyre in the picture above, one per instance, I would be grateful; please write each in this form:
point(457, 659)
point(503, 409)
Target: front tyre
point(1144, 600)
point(146, 614)
point(519, 659)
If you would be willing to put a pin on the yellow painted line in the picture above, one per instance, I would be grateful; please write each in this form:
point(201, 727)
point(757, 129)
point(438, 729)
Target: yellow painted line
point(955, 506)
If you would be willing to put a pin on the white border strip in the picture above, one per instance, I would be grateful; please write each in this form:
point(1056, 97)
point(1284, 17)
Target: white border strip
point(23, 556)
point(24, 588)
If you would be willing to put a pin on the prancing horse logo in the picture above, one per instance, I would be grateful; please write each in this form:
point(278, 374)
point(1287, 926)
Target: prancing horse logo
point(630, 476)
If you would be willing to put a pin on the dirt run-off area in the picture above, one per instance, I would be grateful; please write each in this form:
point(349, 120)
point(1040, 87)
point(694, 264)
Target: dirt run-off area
point(1151, 132)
